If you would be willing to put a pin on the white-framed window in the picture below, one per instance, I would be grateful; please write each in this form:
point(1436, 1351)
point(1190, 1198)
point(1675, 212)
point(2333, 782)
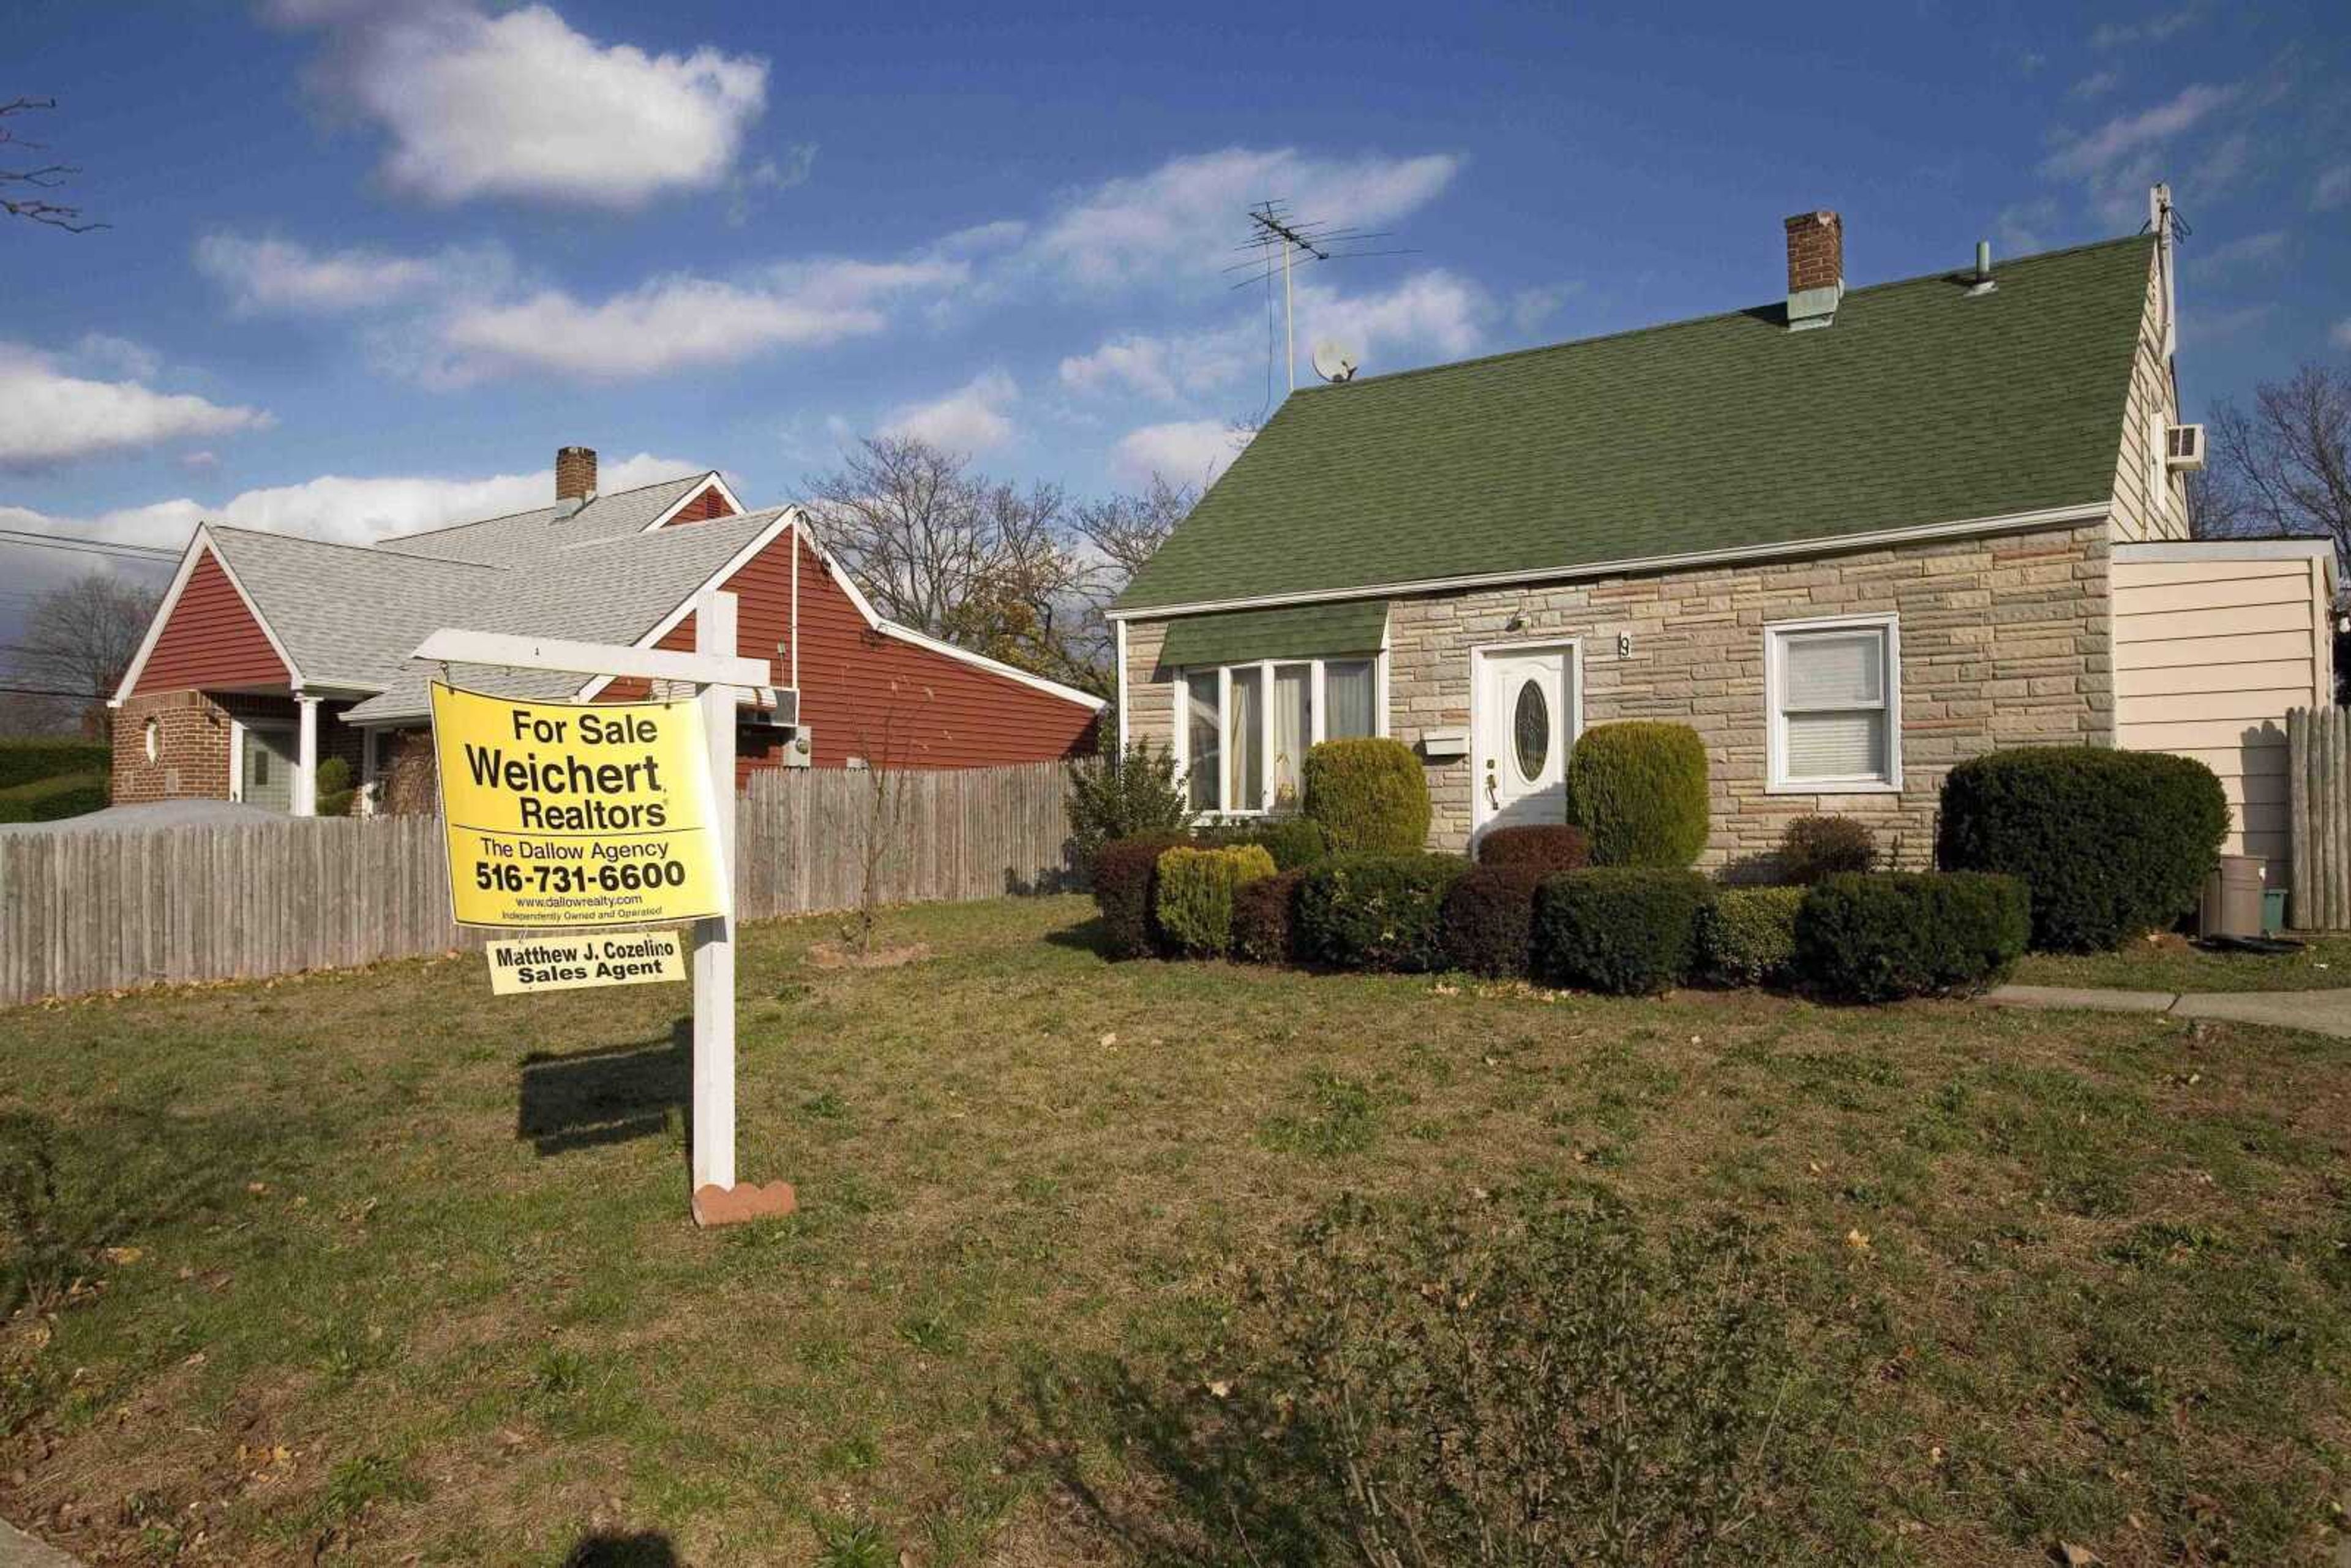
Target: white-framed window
point(1242, 730)
point(1834, 695)
point(151, 739)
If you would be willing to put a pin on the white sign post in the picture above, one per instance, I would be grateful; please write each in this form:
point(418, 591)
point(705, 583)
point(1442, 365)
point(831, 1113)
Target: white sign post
point(718, 674)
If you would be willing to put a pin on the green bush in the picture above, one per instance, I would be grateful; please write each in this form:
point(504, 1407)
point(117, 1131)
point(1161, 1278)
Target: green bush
point(1489, 919)
point(1377, 912)
point(27, 761)
point(1877, 938)
point(1815, 847)
point(1123, 795)
point(1124, 870)
point(334, 788)
point(2113, 844)
point(1294, 842)
point(1368, 795)
point(49, 799)
point(1262, 915)
point(1194, 894)
point(1548, 846)
point(1624, 930)
point(1638, 789)
point(1747, 935)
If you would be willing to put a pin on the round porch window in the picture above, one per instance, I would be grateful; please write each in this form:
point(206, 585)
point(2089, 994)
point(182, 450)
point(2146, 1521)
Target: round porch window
point(1531, 730)
point(152, 737)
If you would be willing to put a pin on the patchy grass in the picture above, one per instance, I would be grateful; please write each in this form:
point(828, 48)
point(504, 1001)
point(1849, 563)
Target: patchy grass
point(2169, 963)
point(372, 1267)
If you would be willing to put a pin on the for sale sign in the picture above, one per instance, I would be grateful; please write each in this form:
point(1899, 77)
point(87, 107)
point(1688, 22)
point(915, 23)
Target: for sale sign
point(563, 815)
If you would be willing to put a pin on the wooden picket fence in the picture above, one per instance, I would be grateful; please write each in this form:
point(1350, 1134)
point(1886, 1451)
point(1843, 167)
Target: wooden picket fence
point(99, 909)
point(2318, 789)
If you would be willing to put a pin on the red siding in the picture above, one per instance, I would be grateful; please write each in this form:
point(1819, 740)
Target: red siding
point(942, 714)
point(211, 640)
point(711, 502)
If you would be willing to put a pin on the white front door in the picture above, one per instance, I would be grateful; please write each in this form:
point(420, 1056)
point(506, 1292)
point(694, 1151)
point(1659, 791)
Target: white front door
point(1523, 717)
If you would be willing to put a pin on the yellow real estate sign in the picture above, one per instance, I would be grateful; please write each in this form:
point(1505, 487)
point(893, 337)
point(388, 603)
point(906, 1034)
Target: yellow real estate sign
point(564, 815)
point(568, 963)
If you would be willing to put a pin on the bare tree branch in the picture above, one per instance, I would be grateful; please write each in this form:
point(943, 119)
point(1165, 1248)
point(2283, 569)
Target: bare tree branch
point(2283, 466)
point(40, 177)
point(83, 634)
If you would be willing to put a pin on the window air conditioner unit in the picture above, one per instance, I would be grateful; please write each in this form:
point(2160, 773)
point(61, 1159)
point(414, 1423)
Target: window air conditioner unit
point(2183, 447)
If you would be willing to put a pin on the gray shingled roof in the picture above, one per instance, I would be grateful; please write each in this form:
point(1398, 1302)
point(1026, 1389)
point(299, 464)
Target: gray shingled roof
point(346, 614)
point(494, 541)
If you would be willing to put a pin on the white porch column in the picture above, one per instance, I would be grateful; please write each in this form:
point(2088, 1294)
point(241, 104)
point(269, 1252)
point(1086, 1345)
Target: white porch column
point(306, 760)
point(714, 946)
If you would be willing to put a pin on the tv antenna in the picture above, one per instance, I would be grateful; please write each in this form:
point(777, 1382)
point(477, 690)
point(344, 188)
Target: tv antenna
point(1278, 239)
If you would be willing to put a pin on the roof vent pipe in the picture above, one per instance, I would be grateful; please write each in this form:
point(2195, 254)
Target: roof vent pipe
point(1982, 283)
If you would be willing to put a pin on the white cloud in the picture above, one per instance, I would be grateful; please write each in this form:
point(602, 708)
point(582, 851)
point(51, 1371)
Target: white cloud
point(131, 360)
point(2097, 84)
point(1430, 315)
point(678, 321)
point(520, 104)
point(2342, 333)
point(267, 274)
point(1167, 368)
point(1182, 217)
point(2248, 250)
point(2331, 189)
point(969, 420)
point(2216, 326)
point(2099, 151)
point(342, 510)
point(1531, 308)
point(56, 418)
point(1185, 452)
point(2152, 29)
point(2022, 228)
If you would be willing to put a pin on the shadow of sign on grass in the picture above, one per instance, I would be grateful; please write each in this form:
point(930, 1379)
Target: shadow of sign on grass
point(623, 1548)
point(587, 1099)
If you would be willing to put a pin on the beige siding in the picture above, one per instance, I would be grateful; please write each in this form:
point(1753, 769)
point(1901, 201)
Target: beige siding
point(2208, 655)
point(2141, 512)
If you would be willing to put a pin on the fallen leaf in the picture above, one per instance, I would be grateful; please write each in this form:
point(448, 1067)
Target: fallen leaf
point(1857, 1239)
point(2077, 1556)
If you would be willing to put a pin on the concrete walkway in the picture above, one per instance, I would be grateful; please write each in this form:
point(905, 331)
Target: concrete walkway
point(2321, 1012)
point(18, 1549)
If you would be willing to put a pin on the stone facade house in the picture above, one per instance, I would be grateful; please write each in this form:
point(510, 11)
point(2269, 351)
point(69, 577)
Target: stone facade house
point(1851, 537)
point(269, 654)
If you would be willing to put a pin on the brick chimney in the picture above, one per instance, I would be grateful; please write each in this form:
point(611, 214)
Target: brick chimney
point(574, 470)
point(1815, 268)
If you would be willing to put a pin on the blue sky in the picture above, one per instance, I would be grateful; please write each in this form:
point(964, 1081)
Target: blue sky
point(372, 262)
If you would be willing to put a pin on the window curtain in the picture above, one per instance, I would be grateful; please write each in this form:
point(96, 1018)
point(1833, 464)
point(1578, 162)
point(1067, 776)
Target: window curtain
point(1834, 695)
point(1350, 693)
point(1203, 753)
point(1293, 732)
point(1247, 746)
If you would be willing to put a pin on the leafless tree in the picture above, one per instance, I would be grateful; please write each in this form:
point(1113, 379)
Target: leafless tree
point(1127, 529)
point(82, 636)
point(18, 183)
point(887, 748)
point(2284, 465)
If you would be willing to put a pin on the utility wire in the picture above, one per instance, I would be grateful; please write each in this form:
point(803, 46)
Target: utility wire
point(111, 548)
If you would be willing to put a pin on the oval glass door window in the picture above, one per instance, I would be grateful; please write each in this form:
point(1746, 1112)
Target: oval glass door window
point(1531, 730)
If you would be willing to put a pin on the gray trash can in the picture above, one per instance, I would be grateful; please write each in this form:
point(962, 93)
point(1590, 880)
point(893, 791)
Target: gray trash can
point(2234, 898)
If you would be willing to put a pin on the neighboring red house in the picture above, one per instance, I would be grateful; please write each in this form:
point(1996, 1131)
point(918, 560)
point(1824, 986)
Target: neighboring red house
point(270, 654)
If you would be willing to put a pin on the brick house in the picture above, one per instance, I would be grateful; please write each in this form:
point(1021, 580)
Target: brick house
point(1851, 537)
point(269, 654)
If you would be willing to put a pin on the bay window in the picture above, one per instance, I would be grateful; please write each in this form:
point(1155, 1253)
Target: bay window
point(1246, 728)
point(1835, 695)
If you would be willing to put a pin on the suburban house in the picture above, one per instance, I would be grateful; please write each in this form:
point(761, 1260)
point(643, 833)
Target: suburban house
point(1852, 536)
point(270, 654)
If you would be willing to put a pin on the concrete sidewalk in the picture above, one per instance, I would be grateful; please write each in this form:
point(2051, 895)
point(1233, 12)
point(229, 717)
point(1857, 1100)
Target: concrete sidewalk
point(18, 1549)
point(2321, 1012)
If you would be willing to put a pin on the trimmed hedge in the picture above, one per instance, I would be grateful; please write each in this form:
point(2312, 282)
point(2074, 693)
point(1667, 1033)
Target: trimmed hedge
point(26, 761)
point(1193, 895)
point(1294, 842)
point(51, 800)
point(1815, 847)
point(1638, 788)
point(1377, 912)
point(1747, 935)
point(2112, 843)
point(1123, 874)
point(1488, 919)
point(1368, 795)
point(1549, 846)
point(336, 791)
point(1262, 915)
point(1888, 935)
point(1624, 930)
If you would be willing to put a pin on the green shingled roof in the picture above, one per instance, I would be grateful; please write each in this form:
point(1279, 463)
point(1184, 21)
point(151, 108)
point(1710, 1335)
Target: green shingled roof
point(1921, 405)
point(1289, 632)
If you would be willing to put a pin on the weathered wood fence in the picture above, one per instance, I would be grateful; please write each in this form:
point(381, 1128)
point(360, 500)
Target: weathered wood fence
point(97, 909)
point(2318, 789)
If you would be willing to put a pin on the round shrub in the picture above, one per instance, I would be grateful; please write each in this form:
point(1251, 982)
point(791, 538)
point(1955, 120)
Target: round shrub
point(1489, 917)
point(334, 790)
point(1747, 935)
point(1368, 796)
point(1292, 840)
point(1377, 912)
point(1624, 930)
point(1193, 895)
point(1550, 846)
point(1123, 873)
point(2113, 844)
point(1638, 789)
point(1262, 913)
point(1889, 935)
point(1815, 847)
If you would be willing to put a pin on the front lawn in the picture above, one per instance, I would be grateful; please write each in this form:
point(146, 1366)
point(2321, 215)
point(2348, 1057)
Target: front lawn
point(2171, 963)
point(374, 1267)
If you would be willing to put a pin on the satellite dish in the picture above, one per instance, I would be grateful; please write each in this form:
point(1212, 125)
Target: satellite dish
point(1334, 361)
